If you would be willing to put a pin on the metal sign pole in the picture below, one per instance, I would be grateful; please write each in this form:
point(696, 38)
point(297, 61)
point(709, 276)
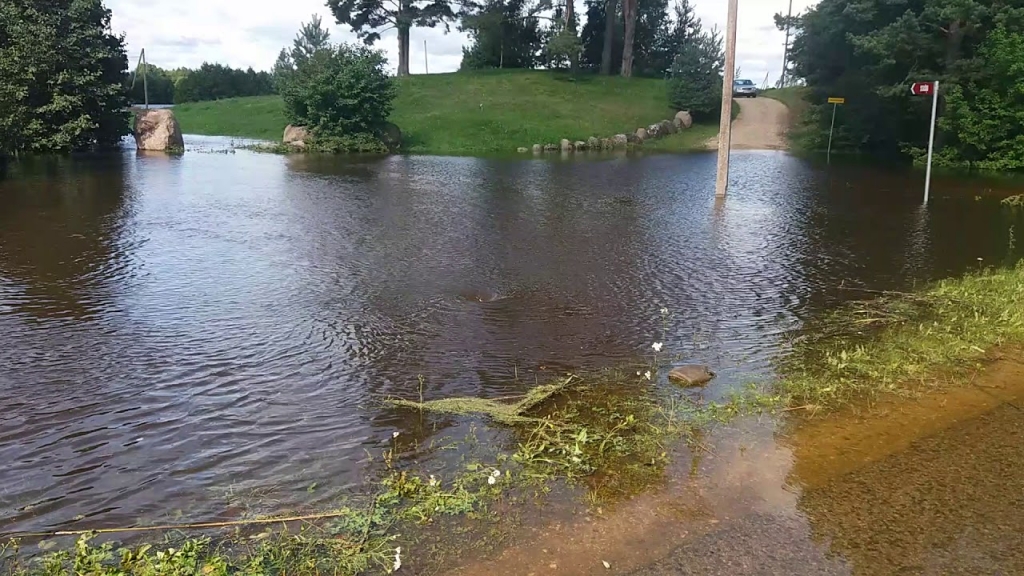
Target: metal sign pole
point(831, 130)
point(931, 141)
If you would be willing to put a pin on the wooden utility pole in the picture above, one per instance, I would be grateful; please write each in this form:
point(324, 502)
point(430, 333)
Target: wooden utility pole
point(725, 127)
point(785, 54)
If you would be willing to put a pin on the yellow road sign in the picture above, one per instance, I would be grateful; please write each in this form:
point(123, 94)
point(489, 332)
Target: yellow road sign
point(837, 100)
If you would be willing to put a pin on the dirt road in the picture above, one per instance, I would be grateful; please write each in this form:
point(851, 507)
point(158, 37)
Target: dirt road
point(761, 125)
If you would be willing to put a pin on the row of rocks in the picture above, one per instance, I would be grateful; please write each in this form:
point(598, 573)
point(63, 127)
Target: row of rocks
point(681, 121)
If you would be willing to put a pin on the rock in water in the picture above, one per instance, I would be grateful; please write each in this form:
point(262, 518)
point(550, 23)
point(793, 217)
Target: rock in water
point(691, 375)
point(683, 120)
point(157, 130)
point(593, 143)
point(537, 148)
point(295, 134)
point(565, 145)
point(606, 143)
point(550, 147)
point(641, 134)
point(579, 145)
point(620, 141)
point(391, 136)
point(522, 149)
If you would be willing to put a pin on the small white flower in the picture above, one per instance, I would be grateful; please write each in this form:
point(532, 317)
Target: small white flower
point(638, 373)
point(657, 346)
point(664, 311)
point(398, 559)
point(496, 473)
point(394, 434)
point(432, 481)
point(647, 374)
point(491, 480)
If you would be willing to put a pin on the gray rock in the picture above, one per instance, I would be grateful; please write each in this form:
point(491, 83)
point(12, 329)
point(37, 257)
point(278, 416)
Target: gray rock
point(579, 145)
point(691, 375)
point(550, 147)
point(157, 130)
point(391, 136)
point(654, 131)
point(295, 134)
point(606, 143)
point(683, 119)
point(667, 127)
point(641, 134)
point(620, 141)
point(537, 148)
point(565, 145)
point(593, 143)
point(522, 149)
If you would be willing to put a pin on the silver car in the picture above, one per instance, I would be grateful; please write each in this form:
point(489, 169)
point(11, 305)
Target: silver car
point(744, 89)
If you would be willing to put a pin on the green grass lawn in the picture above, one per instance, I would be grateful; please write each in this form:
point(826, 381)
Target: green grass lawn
point(480, 113)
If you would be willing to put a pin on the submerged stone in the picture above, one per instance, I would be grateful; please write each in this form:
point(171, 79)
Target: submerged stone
point(691, 375)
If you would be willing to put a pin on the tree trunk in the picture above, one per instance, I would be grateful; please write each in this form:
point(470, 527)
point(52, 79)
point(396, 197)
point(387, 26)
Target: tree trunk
point(403, 50)
point(610, 9)
point(570, 25)
point(629, 15)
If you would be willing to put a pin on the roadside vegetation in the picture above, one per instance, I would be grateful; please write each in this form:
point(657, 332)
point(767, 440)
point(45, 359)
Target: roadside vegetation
point(905, 343)
point(870, 51)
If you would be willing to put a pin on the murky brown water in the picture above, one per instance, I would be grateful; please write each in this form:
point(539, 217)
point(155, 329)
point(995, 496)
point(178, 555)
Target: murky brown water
point(175, 332)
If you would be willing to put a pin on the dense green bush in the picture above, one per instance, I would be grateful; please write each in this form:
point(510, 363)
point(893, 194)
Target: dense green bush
point(695, 79)
point(61, 77)
point(343, 95)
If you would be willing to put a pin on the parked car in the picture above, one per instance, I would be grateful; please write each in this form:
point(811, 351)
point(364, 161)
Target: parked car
point(744, 89)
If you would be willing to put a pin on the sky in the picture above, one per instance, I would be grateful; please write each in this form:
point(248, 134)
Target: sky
point(244, 33)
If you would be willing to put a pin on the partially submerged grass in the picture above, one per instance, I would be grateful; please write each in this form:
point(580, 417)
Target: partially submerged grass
point(905, 342)
point(1016, 201)
point(607, 433)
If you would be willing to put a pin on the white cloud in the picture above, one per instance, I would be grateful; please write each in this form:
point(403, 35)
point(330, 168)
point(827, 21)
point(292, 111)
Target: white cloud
point(244, 33)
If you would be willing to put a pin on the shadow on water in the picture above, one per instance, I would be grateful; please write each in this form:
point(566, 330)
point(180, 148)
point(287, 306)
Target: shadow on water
point(179, 332)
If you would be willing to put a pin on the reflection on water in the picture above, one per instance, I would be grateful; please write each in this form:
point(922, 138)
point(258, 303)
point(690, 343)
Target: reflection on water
point(177, 329)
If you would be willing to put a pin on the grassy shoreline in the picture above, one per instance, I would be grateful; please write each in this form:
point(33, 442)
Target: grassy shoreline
point(481, 113)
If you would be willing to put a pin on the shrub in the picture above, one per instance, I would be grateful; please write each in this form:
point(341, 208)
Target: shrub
point(343, 95)
point(695, 79)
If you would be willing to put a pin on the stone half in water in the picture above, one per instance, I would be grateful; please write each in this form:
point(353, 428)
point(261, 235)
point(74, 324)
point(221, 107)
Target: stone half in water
point(691, 375)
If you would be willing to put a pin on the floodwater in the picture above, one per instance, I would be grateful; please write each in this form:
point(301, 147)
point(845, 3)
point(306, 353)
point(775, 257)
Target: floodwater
point(178, 332)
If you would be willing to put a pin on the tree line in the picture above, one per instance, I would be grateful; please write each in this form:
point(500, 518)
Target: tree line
point(627, 37)
point(208, 82)
point(870, 51)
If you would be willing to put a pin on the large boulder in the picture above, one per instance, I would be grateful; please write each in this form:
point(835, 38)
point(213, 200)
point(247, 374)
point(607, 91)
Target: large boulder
point(537, 148)
point(295, 135)
point(606, 143)
point(667, 127)
point(683, 120)
point(620, 141)
point(565, 145)
point(391, 136)
point(654, 131)
point(593, 143)
point(157, 130)
point(641, 134)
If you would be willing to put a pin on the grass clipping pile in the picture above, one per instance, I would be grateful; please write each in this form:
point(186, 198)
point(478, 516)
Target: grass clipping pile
point(501, 412)
point(905, 342)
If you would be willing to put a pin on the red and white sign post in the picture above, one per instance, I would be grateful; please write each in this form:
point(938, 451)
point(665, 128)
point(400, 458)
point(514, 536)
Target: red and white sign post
point(926, 89)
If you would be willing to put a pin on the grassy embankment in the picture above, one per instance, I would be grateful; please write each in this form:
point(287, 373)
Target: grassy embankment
point(481, 113)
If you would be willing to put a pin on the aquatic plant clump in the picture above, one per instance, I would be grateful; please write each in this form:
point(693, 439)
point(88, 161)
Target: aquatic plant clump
point(905, 342)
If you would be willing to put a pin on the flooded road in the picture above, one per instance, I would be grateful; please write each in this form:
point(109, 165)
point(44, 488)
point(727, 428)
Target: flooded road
point(178, 332)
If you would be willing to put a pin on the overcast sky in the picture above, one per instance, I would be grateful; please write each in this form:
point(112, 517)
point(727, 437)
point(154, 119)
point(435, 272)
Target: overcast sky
point(244, 33)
